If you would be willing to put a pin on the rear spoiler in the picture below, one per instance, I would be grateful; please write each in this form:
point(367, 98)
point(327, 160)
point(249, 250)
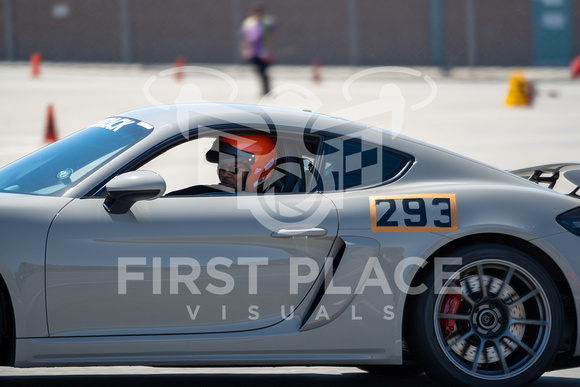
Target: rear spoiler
point(550, 174)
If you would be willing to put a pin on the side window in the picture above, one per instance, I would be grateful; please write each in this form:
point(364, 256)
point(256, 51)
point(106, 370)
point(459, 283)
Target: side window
point(185, 165)
point(352, 164)
point(188, 172)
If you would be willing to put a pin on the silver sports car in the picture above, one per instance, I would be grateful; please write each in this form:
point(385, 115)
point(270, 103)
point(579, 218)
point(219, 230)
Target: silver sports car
point(240, 235)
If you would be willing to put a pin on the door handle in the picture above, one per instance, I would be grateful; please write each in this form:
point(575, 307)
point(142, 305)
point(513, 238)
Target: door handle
point(299, 232)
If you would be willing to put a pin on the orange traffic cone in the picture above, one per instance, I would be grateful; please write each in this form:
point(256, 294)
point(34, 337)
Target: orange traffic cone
point(178, 64)
point(316, 65)
point(50, 135)
point(518, 90)
point(35, 60)
point(575, 67)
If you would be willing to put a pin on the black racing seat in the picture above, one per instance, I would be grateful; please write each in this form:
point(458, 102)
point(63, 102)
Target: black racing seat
point(289, 176)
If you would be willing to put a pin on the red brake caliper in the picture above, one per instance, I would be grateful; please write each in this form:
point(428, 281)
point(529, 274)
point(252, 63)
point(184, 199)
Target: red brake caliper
point(450, 305)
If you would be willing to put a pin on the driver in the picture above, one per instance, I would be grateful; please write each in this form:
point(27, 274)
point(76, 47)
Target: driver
point(244, 163)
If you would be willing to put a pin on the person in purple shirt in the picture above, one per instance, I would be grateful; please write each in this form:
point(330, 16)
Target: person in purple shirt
point(257, 35)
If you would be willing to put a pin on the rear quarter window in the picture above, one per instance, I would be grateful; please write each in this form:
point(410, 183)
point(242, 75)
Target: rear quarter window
point(353, 164)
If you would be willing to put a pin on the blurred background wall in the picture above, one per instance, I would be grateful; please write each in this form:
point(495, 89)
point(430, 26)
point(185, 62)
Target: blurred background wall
point(336, 32)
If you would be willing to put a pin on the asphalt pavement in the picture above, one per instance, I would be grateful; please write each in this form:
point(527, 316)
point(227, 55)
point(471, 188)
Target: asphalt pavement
point(255, 376)
point(460, 109)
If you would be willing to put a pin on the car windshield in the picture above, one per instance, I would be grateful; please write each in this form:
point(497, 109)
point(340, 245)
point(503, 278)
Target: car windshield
point(54, 169)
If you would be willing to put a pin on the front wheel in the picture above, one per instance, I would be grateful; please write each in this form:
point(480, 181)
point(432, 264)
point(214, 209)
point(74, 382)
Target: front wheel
point(497, 319)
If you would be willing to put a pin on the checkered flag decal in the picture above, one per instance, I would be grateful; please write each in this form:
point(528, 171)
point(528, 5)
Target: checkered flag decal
point(360, 164)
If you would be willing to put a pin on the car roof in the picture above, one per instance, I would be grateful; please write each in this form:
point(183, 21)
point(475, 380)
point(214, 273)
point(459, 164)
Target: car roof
point(172, 120)
point(169, 120)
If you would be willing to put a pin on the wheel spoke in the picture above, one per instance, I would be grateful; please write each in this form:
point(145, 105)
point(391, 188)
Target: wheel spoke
point(453, 316)
point(459, 291)
point(521, 344)
point(506, 280)
point(458, 340)
point(541, 323)
point(477, 355)
point(504, 365)
point(481, 282)
point(468, 298)
point(525, 298)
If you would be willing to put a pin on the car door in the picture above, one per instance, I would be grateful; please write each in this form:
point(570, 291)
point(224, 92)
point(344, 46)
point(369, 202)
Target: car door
point(184, 264)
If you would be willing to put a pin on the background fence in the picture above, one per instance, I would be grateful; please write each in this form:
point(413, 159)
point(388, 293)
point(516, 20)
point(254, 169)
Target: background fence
point(337, 32)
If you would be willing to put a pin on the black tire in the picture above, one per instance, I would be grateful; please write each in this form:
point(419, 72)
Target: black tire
point(3, 319)
point(505, 333)
point(392, 370)
point(3, 327)
point(7, 341)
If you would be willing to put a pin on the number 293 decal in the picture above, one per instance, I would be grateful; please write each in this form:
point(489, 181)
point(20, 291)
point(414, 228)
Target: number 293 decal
point(413, 213)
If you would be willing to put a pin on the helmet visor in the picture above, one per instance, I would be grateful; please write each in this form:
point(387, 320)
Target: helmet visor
point(224, 153)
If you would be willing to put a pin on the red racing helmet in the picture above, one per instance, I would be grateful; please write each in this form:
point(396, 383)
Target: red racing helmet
point(257, 152)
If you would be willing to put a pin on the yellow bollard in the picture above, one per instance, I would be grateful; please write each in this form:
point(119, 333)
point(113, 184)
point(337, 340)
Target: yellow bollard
point(518, 93)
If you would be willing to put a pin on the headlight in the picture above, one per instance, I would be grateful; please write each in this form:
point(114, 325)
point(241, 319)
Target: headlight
point(570, 220)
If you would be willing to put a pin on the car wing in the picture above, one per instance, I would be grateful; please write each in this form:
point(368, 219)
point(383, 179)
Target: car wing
point(550, 174)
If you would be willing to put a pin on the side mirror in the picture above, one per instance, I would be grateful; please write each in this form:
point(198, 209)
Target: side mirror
point(125, 190)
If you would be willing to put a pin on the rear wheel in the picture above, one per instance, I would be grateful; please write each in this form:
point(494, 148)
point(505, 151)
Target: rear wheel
point(496, 320)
